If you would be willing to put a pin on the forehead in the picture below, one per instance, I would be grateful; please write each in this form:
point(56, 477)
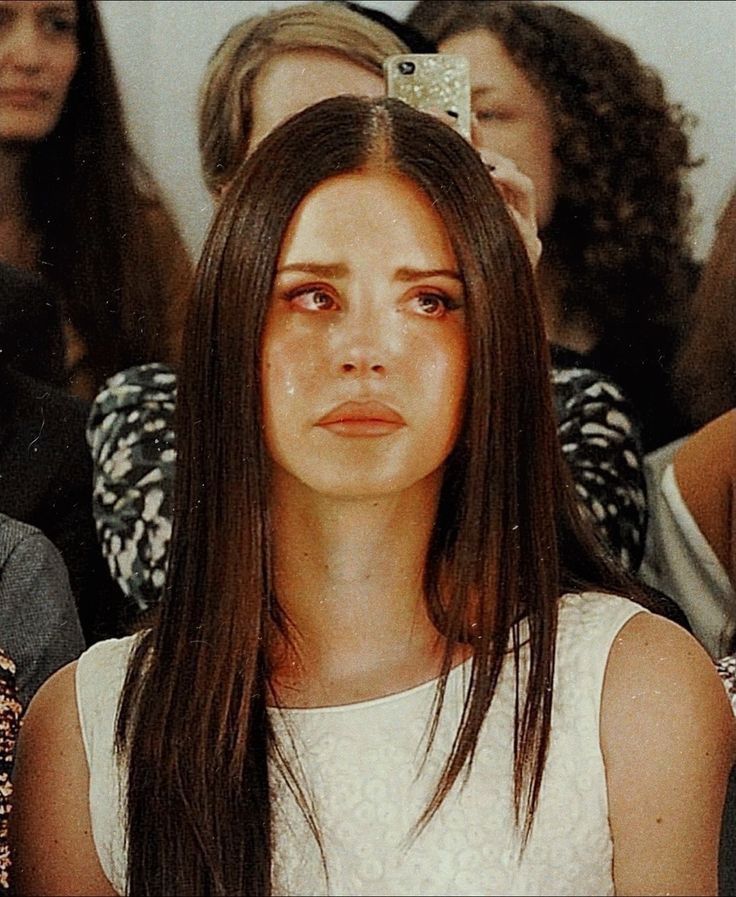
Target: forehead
point(37, 6)
point(364, 211)
point(491, 64)
point(293, 80)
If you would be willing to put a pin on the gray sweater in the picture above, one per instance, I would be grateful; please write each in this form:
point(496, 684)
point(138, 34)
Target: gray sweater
point(39, 625)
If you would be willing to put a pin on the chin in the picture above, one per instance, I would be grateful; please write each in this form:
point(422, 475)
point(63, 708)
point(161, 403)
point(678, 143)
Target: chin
point(26, 132)
point(353, 484)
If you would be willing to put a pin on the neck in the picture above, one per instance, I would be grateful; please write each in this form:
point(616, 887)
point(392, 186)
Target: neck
point(349, 579)
point(18, 243)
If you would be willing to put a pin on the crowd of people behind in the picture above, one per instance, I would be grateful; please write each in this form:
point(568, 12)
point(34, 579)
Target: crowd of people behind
point(374, 551)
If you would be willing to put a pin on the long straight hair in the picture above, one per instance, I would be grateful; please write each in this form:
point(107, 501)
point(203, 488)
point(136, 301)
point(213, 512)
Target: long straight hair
point(193, 725)
point(104, 227)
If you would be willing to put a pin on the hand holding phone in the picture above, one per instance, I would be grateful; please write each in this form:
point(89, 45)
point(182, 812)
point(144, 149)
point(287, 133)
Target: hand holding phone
point(437, 83)
point(517, 191)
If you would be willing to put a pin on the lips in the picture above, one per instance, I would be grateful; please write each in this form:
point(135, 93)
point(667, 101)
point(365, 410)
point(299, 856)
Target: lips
point(24, 97)
point(362, 419)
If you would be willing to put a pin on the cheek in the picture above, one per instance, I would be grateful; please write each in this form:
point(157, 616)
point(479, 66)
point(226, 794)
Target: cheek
point(531, 151)
point(278, 373)
point(543, 172)
point(277, 393)
point(289, 369)
point(455, 389)
point(441, 371)
point(65, 68)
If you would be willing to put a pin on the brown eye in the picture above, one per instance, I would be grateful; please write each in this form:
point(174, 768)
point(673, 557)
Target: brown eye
point(60, 24)
point(431, 304)
point(321, 299)
point(435, 305)
point(313, 299)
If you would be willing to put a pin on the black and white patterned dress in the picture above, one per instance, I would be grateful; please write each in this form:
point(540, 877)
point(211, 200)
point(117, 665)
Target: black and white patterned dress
point(131, 435)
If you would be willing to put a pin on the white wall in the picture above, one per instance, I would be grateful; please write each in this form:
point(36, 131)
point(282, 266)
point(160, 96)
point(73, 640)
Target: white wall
point(161, 47)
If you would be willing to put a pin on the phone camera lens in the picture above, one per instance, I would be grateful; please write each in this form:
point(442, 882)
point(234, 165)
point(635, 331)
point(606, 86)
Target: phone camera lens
point(407, 68)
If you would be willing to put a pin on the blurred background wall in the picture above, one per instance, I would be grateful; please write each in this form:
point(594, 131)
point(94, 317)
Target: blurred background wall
point(161, 47)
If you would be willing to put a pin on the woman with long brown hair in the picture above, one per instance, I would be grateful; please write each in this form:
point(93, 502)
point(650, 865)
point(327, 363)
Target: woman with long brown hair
point(265, 69)
point(382, 664)
point(78, 204)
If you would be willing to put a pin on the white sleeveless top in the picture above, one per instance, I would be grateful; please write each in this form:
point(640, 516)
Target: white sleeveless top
point(679, 560)
point(362, 763)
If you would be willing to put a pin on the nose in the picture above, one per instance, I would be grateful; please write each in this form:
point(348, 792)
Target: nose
point(361, 367)
point(24, 48)
point(476, 134)
point(363, 345)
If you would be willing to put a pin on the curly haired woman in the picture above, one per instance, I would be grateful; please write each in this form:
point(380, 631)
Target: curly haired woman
point(592, 127)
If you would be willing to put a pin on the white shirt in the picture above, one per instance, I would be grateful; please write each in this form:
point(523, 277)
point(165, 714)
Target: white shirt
point(362, 766)
point(679, 560)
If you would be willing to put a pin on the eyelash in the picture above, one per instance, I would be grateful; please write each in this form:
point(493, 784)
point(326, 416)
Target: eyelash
point(494, 114)
point(301, 292)
point(61, 25)
point(56, 26)
point(446, 303)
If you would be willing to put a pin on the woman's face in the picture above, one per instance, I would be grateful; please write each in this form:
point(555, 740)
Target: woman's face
point(292, 81)
point(38, 57)
point(511, 115)
point(364, 350)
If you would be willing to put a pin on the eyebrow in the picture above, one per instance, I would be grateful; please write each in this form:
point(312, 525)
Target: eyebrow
point(318, 270)
point(340, 270)
point(59, 6)
point(408, 274)
point(483, 89)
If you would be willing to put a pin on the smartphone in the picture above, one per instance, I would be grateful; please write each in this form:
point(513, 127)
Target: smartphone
point(438, 83)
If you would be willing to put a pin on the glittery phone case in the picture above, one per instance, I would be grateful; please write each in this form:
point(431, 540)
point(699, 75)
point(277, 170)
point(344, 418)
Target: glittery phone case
point(432, 82)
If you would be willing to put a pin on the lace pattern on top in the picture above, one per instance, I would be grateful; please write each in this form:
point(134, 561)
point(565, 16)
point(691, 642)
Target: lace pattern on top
point(361, 764)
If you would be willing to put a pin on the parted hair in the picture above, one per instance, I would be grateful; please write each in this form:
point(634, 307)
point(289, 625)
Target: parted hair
point(225, 105)
point(508, 536)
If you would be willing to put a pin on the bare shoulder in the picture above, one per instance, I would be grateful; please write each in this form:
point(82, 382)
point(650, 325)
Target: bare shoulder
point(656, 667)
point(713, 442)
point(50, 826)
point(668, 738)
point(58, 692)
